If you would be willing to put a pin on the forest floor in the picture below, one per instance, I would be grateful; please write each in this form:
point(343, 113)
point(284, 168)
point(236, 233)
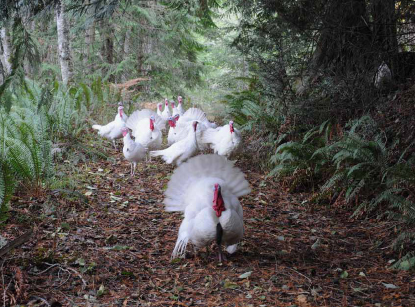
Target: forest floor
point(109, 244)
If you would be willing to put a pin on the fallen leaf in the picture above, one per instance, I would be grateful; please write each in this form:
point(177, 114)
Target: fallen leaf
point(245, 275)
point(390, 286)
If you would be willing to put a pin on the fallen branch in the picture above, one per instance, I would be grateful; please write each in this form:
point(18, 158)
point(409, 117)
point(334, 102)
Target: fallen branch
point(16, 242)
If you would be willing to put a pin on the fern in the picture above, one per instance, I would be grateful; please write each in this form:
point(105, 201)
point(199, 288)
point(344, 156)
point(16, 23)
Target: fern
point(7, 185)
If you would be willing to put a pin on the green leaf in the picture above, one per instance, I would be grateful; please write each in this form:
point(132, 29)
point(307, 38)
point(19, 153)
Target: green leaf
point(230, 285)
point(80, 261)
point(344, 274)
point(101, 290)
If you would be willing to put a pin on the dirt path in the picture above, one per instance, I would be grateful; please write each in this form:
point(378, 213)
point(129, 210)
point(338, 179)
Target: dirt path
point(115, 250)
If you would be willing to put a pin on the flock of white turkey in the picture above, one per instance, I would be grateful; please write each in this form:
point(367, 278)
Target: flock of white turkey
point(206, 187)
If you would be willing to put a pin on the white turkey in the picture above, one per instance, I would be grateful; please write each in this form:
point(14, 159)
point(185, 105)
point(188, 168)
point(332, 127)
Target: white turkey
point(206, 188)
point(159, 109)
point(171, 137)
point(146, 126)
point(113, 130)
point(192, 114)
point(181, 150)
point(133, 151)
point(175, 110)
point(166, 112)
point(180, 105)
point(224, 140)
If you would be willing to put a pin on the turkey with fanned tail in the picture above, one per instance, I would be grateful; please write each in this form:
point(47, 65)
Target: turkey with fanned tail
point(206, 188)
point(193, 114)
point(146, 126)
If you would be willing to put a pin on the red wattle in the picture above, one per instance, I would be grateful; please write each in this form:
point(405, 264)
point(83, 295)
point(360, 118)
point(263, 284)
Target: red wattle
point(218, 203)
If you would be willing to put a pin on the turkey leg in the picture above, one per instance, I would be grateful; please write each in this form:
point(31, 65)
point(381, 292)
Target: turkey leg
point(219, 234)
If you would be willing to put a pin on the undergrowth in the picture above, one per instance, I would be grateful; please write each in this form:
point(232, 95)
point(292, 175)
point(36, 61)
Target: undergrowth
point(40, 126)
point(360, 166)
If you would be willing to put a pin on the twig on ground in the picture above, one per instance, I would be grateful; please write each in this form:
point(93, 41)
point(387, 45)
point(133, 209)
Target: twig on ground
point(18, 241)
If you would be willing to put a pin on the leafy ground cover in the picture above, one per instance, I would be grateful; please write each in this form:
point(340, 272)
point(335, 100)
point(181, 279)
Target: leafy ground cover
point(108, 242)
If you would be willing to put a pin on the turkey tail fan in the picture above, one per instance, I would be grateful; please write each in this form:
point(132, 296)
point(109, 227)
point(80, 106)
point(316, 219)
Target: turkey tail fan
point(194, 114)
point(203, 166)
point(143, 114)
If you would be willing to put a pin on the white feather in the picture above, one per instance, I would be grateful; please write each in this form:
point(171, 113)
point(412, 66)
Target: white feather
point(139, 123)
point(133, 151)
point(222, 140)
point(166, 112)
point(137, 116)
point(179, 151)
point(159, 106)
point(191, 190)
point(112, 130)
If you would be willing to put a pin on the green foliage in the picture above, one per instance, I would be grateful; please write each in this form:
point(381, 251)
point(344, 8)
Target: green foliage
point(39, 117)
point(308, 160)
point(250, 110)
point(360, 163)
point(359, 166)
point(7, 185)
point(27, 145)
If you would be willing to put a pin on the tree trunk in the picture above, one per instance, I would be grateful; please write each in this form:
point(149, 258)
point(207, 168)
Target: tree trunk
point(384, 26)
point(89, 40)
point(7, 51)
point(2, 74)
point(126, 50)
point(64, 44)
point(385, 34)
point(107, 50)
point(345, 41)
point(147, 47)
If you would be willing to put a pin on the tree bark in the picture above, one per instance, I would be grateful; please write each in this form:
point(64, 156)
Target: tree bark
point(385, 35)
point(64, 47)
point(345, 43)
point(89, 40)
point(147, 47)
point(384, 26)
point(7, 50)
point(126, 50)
